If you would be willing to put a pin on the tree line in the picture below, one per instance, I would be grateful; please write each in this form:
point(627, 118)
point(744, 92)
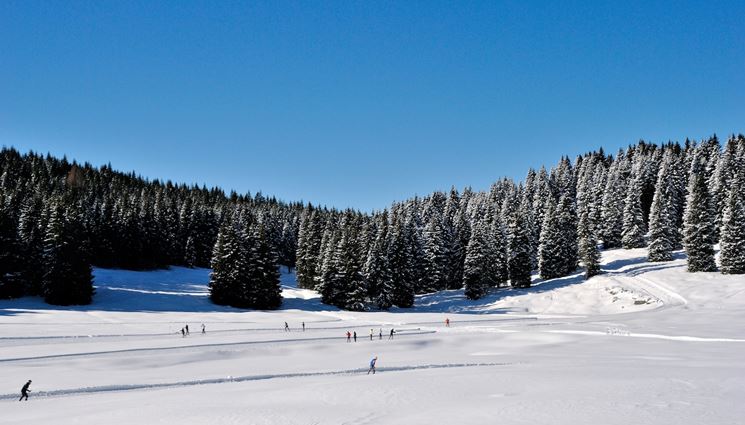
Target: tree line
point(57, 218)
point(667, 197)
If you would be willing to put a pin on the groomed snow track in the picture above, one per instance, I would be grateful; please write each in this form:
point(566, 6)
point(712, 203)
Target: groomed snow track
point(247, 378)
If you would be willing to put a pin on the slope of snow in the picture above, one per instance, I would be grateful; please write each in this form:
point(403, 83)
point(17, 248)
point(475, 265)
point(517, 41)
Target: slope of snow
point(642, 343)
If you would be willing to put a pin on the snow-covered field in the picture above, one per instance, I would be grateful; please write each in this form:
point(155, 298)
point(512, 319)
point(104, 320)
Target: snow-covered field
point(641, 344)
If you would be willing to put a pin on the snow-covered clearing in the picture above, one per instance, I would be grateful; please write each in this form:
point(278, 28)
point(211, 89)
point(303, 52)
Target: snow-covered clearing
point(644, 343)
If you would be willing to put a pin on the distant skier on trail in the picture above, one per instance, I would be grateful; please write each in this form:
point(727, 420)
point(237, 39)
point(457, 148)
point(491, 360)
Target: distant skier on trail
point(355, 336)
point(25, 391)
point(391, 335)
point(203, 330)
point(447, 322)
point(287, 327)
point(183, 333)
point(186, 327)
point(371, 334)
point(380, 335)
point(303, 326)
point(372, 365)
point(349, 336)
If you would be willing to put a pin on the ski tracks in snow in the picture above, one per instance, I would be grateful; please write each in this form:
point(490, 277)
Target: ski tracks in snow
point(404, 332)
point(247, 378)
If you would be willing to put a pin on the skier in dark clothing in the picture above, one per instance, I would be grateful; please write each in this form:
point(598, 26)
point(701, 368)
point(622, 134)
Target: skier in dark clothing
point(25, 391)
point(183, 332)
point(287, 327)
point(355, 336)
point(391, 335)
point(303, 326)
point(203, 330)
point(380, 335)
point(186, 328)
point(349, 337)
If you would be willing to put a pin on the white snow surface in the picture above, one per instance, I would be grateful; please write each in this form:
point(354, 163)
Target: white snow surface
point(643, 343)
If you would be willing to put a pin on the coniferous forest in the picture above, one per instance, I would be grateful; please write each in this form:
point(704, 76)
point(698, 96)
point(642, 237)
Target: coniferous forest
point(58, 219)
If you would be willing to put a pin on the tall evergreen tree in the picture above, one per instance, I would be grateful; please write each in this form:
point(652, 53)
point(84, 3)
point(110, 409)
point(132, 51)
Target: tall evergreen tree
point(377, 268)
point(476, 279)
point(698, 230)
point(550, 261)
point(31, 229)
point(267, 291)
point(662, 226)
point(566, 212)
point(613, 203)
point(399, 254)
point(228, 262)
point(632, 235)
point(69, 277)
point(520, 261)
point(11, 285)
point(732, 243)
point(436, 254)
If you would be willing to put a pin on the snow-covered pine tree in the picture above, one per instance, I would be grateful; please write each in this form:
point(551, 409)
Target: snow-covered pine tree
point(476, 279)
point(588, 241)
point(662, 226)
point(540, 202)
point(377, 270)
point(550, 261)
point(227, 255)
point(11, 285)
point(351, 293)
point(68, 278)
point(267, 292)
point(732, 239)
point(436, 254)
point(632, 235)
point(520, 256)
point(31, 229)
point(698, 220)
point(399, 254)
point(309, 249)
point(613, 202)
point(566, 211)
point(724, 174)
point(329, 238)
point(497, 260)
point(330, 286)
point(190, 253)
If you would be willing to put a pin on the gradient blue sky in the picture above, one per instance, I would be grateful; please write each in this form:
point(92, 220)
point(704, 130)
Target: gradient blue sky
point(362, 103)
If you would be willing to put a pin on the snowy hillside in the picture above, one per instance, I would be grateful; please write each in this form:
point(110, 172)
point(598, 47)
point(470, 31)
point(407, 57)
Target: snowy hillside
point(641, 343)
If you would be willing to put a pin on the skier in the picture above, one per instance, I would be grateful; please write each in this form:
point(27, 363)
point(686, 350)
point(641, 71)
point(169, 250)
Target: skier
point(203, 331)
point(372, 365)
point(183, 333)
point(25, 391)
point(380, 335)
point(287, 327)
point(303, 326)
point(371, 334)
point(447, 322)
point(186, 327)
point(349, 337)
point(355, 336)
point(391, 335)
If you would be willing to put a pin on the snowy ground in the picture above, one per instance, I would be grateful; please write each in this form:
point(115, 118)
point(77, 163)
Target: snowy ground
point(642, 344)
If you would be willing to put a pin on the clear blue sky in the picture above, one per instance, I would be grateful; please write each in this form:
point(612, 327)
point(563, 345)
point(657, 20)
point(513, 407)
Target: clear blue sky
point(362, 103)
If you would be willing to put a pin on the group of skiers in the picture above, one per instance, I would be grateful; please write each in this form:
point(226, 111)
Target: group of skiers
point(353, 335)
point(350, 335)
point(185, 330)
point(287, 327)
